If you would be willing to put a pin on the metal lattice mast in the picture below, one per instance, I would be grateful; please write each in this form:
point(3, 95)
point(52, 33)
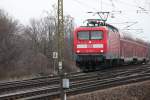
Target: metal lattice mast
point(60, 37)
point(60, 32)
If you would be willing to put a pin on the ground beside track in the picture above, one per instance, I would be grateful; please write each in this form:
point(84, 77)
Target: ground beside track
point(134, 91)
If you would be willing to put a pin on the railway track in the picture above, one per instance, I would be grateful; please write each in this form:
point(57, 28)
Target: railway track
point(79, 83)
point(30, 83)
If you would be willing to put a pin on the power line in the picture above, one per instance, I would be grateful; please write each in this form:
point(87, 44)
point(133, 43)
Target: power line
point(142, 9)
point(89, 6)
point(134, 29)
point(130, 25)
point(101, 3)
point(127, 4)
point(123, 23)
point(83, 4)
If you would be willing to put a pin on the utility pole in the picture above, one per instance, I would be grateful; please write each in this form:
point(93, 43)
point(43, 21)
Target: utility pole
point(60, 39)
point(60, 32)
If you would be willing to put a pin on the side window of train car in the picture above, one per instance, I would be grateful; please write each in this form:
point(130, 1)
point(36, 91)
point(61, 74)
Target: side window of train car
point(83, 35)
point(96, 35)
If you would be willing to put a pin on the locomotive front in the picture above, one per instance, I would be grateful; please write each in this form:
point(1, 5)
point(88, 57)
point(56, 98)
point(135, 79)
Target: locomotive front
point(90, 45)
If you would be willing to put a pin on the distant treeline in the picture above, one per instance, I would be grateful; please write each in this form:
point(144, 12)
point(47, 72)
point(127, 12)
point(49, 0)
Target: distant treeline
point(26, 50)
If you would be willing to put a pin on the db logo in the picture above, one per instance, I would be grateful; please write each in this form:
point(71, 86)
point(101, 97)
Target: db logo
point(89, 46)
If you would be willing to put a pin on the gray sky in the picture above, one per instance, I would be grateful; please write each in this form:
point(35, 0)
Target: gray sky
point(23, 10)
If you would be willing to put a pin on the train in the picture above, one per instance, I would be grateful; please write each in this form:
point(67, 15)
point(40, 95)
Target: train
point(98, 44)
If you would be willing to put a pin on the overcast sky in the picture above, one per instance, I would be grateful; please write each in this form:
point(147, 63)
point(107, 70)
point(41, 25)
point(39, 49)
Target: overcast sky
point(24, 10)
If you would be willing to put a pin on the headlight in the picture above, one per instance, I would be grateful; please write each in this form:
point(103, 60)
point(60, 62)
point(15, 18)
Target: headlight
point(102, 51)
point(78, 51)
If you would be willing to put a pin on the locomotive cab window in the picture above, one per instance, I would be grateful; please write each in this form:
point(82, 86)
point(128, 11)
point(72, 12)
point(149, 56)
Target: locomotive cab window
point(83, 35)
point(96, 35)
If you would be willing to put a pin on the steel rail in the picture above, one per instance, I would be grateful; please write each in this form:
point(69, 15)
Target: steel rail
point(79, 82)
point(6, 87)
point(95, 85)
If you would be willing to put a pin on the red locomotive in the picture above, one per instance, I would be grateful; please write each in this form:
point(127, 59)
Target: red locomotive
point(103, 44)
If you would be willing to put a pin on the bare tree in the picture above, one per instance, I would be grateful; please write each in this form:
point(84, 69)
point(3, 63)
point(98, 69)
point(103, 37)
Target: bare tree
point(28, 50)
point(11, 44)
point(8, 27)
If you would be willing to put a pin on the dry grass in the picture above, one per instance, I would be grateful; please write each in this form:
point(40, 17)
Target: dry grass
point(136, 91)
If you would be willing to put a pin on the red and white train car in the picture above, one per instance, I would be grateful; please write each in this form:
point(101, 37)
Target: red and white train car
point(106, 45)
point(126, 48)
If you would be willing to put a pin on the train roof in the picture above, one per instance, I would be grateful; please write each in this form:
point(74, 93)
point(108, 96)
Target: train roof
point(89, 27)
point(128, 36)
point(112, 27)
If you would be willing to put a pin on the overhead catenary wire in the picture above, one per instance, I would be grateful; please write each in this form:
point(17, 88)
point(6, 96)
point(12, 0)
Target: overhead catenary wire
point(127, 4)
point(132, 5)
point(84, 4)
point(89, 6)
point(130, 25)
point(93, 8)
point(113, 3)
point(101, 3)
